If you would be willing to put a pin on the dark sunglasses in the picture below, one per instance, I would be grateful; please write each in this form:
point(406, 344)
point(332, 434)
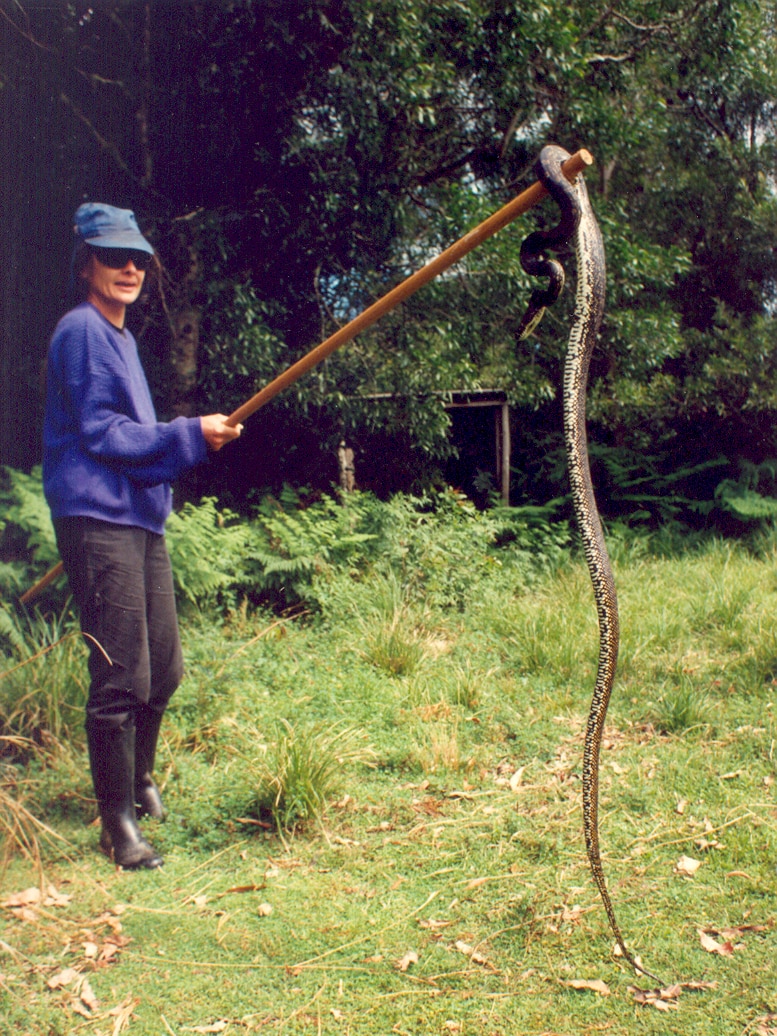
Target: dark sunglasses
point(117, 258)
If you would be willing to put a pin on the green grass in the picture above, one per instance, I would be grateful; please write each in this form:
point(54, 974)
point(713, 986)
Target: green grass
point(440, 884)
point(43, 683)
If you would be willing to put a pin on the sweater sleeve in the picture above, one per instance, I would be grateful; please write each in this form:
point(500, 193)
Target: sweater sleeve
point(110, 400)
point(149, 454)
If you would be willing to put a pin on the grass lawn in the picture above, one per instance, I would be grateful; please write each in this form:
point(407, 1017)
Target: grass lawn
point(443, 886)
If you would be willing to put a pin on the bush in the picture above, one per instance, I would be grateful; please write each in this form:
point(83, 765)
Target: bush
point(298, 552)
point(26, 531)
point(439, 547)
point(296, 776)
point(208, 549)
point(296, 548)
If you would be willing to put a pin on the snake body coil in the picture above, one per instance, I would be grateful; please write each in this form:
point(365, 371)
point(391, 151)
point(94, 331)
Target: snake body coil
point(578, 220)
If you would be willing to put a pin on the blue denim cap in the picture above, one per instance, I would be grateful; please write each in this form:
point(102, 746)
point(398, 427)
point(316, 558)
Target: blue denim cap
point(105, 226)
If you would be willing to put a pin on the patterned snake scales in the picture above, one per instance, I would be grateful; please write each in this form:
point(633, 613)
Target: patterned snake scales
point(578, 221)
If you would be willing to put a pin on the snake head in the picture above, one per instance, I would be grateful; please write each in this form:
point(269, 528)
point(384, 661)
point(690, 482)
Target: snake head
point(540, 298)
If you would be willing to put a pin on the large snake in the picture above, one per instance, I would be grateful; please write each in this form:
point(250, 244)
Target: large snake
point(578, 221)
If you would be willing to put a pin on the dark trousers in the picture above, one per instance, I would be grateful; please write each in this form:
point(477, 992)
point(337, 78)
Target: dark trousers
point(122, 582)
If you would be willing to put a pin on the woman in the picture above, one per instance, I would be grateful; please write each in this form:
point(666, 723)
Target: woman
point(107, 468)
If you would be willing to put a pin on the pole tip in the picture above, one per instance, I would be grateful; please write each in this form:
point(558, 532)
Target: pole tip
point(577, 163)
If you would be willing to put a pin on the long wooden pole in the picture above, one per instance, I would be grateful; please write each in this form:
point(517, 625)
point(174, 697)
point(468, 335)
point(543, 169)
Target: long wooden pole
point(521, 203)
point(41, 585)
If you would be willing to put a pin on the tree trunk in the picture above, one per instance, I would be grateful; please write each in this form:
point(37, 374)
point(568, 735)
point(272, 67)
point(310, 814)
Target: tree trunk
point(184, 358)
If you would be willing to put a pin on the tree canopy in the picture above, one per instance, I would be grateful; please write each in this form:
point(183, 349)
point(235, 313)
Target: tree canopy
point(293, 159)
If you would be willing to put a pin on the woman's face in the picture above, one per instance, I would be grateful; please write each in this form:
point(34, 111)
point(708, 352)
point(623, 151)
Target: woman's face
point(112, 288)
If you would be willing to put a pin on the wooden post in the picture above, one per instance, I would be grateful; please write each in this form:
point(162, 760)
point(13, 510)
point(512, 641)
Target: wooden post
point(504, 477)
point(346, 468)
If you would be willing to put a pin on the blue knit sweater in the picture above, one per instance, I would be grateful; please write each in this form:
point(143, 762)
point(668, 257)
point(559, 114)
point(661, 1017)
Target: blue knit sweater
point(105, 455)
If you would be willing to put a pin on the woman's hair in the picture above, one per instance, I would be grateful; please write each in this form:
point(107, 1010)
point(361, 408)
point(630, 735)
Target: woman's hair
point(82, 255)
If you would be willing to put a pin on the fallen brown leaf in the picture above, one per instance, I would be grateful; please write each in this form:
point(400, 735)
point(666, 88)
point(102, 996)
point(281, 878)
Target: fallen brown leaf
point(62, 978)
point(687, 865)
point(711, 945)
point(109, 950)
point(86, 993)
point(594, 984)
point(471, 952)
point(706, 843)
point(112, 944)
point(661, 999)
point(409, 958)
point(22, 904)
point(28, 897)
point(111, 918)
point(572, 914)
point(56, 898)
point(339, 840)
point(26, 913)
point(671, 992)
point(432, 807)
point(665, 1005)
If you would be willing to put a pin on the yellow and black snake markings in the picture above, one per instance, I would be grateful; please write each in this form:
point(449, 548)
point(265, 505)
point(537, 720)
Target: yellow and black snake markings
point(578, 221)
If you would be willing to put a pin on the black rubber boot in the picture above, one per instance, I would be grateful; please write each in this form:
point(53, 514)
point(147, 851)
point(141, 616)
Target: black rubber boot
point(148, 801)
point(112, 759)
